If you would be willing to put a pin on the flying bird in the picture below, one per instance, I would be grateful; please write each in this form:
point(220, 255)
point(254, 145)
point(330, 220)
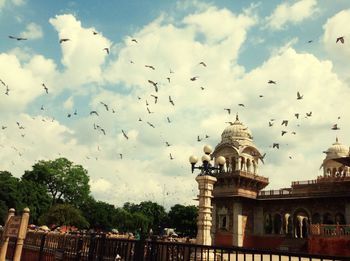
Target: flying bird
point(309, 114)
point(155, 98)
point(202, 88)
point(103, 131)
point(340, 39)
point(228, 110)
point(140, 119)
point(171, 101)
point(310, 41)
point(94, 32)
point(42, 107)
point(296, 115)
point(168, 119)
point(194, 78)
point(262, 157)
point(121, 155)
point(168, 78)
point(167, 144)
point(150, 124)
point(106, 106)
point(154, 84)
point(134, 40)
point(335, 127)
point(64, 40)
point(149, 111)
point(276, 145)
point(106, 49)
point(171, 156)
point(285, 122)
point(203, 63)
point(17, 38)
point(46, 89)
point(93, 112)
point(150, 66)
point(283, 132)
point(271, 82)
point(199, 139)
point(126, 137)
point(299, 96)
point(260, 96)
point(241, 104)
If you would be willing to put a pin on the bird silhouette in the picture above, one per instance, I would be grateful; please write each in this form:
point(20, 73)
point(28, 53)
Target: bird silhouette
point(228, 110)
point(103, 131)
point(335, 127)
point(140, 119)
point(64, 40)
point(260, 96)
point(150, 124)
point(168, 78)
point(285, 122)
point(206, 136)
point(283, 132)
point(167, 144)
point(194, 78)
point(299, 96)
point(262, 157)
point(46, 89)
point(155, 98)
point(271, 82)
point(241, 104)
point(203, 63)
point(94, 32)
point(270, 124)
point(296, 115)
point(154, 84)
point(168, 119)
point(126, 136)
point(310, 41)
point(199, 139)
point(149, 111)
point(171, 156)
point(42, 107)
point(2, 82)
point(106, 106)
point(134, 40)
point(75, 112)
point(202, 88)
point(340, 39)
point(17, 38)
point(121, 155)
point(171, 101)
point(69, 115)
point(150, 66)
point(7, 90)
point(309, 114)
point(276, 145)
point(94, 112)
point(106, 49)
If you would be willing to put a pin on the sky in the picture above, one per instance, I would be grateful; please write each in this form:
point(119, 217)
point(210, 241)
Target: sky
point(114, 51)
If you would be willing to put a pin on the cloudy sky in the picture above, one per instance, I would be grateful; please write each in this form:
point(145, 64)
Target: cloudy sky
point(243, 44)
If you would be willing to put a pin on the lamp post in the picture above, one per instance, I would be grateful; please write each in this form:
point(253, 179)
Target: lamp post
point(206, 181)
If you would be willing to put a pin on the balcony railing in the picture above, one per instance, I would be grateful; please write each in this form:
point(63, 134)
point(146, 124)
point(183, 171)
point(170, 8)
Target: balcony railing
point(329, 230)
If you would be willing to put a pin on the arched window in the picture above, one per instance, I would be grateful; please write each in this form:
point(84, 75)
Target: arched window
point(277, 224)
point(339, 219)
point(268, 224)
point(316, 218)
point(328, 219)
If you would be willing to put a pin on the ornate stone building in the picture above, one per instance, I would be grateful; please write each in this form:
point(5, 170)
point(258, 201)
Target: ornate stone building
point(246, 215)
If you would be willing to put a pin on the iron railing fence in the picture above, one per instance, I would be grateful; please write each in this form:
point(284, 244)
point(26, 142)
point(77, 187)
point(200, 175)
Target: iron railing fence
point(99, 247)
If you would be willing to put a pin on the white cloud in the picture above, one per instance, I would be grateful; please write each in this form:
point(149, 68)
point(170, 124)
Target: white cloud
point(69, 103)
point(33, 31)
point(291, 13)
point(338, 52)
point(18, 2)
point(2, 3)
point(83, 54)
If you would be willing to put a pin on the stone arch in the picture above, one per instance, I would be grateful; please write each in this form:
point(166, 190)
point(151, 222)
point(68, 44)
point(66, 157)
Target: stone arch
point(268, 223)
point(328, 218)
point(301, 219)
point(277, 224)
point(316, 218)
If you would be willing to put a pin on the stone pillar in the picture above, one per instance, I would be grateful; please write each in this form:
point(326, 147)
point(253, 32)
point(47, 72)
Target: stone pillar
point(238, 163)
point(213, 227)
point(21, 234)
point(258, 221)
point(347, 213)
point(204, 220)
point(5, 240)
point(237, 224)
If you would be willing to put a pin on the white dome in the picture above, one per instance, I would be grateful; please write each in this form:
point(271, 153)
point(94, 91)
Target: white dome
point(236, 131)
point(337, 150)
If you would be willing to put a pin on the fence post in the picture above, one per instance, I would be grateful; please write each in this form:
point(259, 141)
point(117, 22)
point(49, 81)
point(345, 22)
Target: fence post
point(92, 246)
point(101, 249)
point(79, 248)
point(5, 239)
point(42, 244)
point(140, 248)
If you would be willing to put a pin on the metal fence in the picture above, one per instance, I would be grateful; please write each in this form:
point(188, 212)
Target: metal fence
point(99, 247)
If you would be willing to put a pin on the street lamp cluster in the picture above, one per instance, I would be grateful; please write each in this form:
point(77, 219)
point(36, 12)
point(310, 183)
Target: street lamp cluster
point(207, 168)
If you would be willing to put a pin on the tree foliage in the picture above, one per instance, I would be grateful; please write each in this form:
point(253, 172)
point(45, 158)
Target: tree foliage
point(183, 218)
point(64, 181)
point(64, 214)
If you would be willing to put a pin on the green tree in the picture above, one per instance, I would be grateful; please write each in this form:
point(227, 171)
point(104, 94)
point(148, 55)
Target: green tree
point(33, 196)
point(9, 189)
point(184, 219)
point(99, 214)
point(64, 214)
point(64, 181)
point(3, 212)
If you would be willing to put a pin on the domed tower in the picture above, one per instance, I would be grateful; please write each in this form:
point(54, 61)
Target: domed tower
point(240, 176)
point(235, 211)
point(331, 168)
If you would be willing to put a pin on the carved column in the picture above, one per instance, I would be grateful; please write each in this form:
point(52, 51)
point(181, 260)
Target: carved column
point(204, 221)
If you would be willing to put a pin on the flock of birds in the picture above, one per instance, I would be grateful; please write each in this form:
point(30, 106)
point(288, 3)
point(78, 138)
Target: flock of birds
point(155, 96)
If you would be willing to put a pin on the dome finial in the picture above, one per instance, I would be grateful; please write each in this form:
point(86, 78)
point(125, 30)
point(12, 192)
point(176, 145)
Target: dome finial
point(237, 116)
